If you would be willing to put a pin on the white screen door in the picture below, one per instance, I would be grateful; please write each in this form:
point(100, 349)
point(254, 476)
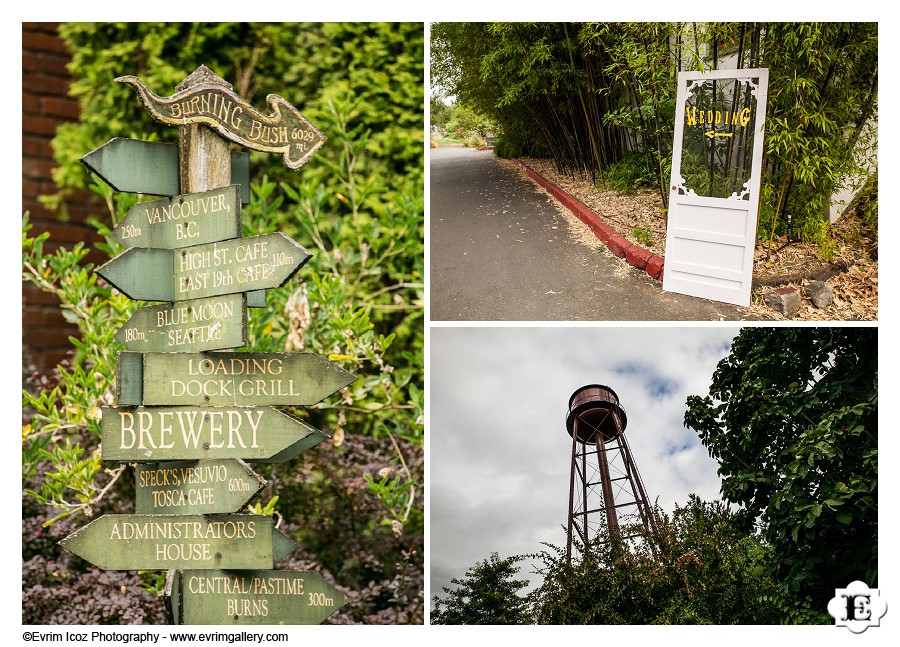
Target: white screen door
point(714, 191)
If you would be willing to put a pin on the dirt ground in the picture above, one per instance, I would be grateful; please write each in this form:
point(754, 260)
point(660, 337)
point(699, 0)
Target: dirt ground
point(852, 271)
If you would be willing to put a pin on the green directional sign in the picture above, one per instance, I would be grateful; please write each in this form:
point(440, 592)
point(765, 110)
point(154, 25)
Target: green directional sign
point(298, 379)
point(136, 166)
point(214, 323)
point(264, 597)
point(184, 220)
point(195, 487)
point(212, 269)
point(156, 434)
point(155, 542)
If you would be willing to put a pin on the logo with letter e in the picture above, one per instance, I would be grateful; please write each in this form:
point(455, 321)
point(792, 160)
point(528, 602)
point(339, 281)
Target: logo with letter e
point(857, 607)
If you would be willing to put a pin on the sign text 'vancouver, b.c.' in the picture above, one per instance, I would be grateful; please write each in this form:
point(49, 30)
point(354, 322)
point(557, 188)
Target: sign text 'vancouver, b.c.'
point(190, 219)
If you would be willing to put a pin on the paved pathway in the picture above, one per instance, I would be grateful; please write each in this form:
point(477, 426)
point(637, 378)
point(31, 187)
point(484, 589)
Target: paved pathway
point(501, 250)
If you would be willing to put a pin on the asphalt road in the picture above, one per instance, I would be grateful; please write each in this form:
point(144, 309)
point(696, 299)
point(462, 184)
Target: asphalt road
point(501, 250)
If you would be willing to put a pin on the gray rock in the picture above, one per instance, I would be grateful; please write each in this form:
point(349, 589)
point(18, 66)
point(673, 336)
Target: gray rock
point(820, 293)
point(784, 300)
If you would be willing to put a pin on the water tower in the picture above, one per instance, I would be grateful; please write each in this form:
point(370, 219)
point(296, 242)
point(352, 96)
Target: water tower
point(605, 488)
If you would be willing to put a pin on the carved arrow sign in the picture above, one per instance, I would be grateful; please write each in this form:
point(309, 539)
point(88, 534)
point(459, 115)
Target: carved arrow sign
point(262, 597)
point(184, 220)
point(195, 487)
point(154, 434)
point(195, 325)
point(284, 131)
point(126, 542)
point(228, 267)
point(299, 379)
point(136, 166)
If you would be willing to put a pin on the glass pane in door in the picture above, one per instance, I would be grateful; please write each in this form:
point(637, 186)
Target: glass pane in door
point(717, 149)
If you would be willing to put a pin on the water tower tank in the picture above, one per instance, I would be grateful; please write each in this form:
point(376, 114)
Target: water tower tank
point(595, 407)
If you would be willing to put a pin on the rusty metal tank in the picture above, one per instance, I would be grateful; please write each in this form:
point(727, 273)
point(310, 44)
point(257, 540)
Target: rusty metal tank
point(595, 408)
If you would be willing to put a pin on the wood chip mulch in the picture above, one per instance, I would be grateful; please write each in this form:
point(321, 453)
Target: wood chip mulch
point(851, 270)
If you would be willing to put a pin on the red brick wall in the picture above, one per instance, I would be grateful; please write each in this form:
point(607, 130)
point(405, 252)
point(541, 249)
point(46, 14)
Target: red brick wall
point(46, 105)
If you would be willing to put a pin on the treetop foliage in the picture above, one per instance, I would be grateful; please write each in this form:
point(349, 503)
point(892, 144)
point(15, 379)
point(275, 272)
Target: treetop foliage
point(792, 418)
point(487, 595)
point(700, 566)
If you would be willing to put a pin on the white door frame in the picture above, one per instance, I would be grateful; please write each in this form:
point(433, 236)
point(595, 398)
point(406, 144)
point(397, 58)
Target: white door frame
point(710, 241)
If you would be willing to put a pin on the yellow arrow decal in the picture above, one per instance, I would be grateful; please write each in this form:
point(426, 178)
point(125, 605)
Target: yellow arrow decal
point(713, 133)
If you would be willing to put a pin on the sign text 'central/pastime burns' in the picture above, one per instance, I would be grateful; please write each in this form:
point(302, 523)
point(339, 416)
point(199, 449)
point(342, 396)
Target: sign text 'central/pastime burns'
point(253, 597)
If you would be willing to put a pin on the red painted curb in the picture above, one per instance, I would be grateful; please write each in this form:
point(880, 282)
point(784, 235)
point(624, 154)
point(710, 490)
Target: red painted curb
point(638, 257)
point(635, 255)
point(655, 265)
point(619, 246)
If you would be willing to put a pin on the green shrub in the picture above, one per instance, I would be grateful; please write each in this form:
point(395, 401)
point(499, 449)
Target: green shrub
point(643, 235)
point(699, 567)
point(505, 148)
point(627, 175)
point(817, 231)
point(475, 141)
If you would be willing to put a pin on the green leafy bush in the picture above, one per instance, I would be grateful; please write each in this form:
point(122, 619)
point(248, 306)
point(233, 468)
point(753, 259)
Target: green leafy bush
point(505, 148)
point(701, 567)
point(627, 175)
point(643, 235)
point(475, 141)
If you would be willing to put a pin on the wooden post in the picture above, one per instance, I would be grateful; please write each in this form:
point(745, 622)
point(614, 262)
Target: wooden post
point(204, 157)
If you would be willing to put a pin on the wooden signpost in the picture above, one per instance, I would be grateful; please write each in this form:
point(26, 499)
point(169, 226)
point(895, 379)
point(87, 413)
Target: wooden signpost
point(194, 325)
point(188, 415)
point(125, 542)
point(284, 131)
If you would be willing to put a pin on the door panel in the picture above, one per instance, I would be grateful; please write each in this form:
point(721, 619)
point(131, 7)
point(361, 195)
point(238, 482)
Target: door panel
point(714, 197)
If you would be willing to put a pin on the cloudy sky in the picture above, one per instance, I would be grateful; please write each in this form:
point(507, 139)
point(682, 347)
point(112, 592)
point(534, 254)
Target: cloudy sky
point(499, 451)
